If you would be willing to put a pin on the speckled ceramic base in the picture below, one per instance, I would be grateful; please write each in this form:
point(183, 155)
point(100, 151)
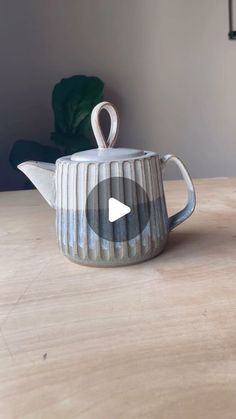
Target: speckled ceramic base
point(117, 261)
point(91, 249)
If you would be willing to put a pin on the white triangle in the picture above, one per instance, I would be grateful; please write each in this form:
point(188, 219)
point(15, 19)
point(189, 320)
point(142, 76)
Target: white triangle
point(116, 209)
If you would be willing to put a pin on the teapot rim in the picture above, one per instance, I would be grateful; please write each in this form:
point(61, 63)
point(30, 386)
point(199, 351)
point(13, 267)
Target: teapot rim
point(107, 155)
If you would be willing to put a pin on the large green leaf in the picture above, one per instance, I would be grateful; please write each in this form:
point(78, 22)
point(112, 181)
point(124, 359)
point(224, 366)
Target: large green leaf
point(24, 150)
point(72, 144)
point(61, 95)
point(73, 100)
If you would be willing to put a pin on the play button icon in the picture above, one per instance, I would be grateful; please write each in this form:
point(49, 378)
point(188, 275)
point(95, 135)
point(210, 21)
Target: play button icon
point(117, 209)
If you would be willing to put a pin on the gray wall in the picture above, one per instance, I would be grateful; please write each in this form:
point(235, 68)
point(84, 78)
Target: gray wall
point(167, 64)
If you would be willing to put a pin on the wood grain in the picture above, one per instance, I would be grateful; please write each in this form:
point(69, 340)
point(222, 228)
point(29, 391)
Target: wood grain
point(155, 340)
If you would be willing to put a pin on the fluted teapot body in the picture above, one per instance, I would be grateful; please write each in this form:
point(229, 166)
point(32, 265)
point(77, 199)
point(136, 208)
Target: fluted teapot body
point(109, 202)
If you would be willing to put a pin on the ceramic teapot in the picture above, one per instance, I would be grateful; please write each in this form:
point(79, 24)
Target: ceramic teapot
point(110, 203)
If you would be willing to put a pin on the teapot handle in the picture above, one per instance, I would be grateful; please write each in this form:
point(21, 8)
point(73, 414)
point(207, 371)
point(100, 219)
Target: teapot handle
point(185, 213)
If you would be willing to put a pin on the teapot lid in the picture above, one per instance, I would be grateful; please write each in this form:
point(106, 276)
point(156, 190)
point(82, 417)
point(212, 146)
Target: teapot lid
point(105, 150)
point(107, 154)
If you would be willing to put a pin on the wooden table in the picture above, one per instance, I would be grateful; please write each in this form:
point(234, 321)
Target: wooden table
point(155, 340)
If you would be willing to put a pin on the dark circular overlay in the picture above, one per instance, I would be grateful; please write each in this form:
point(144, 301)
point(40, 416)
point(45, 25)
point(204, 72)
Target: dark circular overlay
point(129, 193)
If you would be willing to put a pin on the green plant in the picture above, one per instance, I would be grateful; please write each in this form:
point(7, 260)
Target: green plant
point(73, 99)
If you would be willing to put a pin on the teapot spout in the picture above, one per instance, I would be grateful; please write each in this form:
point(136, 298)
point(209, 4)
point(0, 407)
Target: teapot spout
point(42, 175)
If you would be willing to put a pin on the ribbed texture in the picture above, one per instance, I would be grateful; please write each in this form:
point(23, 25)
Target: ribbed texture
point(77, 240)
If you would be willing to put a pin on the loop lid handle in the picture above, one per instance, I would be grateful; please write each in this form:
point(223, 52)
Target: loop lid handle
point(101, 141)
